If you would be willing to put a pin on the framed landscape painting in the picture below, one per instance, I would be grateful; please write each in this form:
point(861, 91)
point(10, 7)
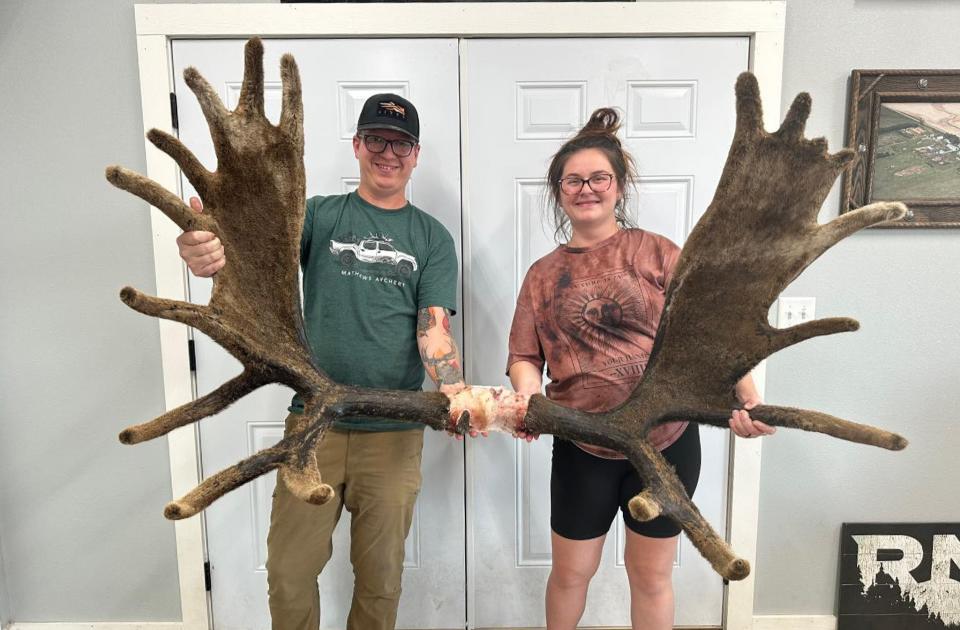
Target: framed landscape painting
point(905, 127)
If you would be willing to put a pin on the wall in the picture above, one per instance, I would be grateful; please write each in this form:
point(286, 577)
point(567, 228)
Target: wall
point(82, 534)
point(900, 370)
point(81, 538)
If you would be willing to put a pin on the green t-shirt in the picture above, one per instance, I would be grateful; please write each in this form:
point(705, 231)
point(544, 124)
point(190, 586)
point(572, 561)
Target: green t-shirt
point(366, 273)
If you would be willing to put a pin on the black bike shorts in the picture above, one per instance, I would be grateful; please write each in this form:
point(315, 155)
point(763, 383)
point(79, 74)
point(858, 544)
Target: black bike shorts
point(586, 490)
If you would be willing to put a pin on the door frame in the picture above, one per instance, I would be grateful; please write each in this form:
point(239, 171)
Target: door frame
point(763, 22)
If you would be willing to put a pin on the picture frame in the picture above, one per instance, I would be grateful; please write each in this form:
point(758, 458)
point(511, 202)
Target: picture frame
point(905, 127)
point(899, 576)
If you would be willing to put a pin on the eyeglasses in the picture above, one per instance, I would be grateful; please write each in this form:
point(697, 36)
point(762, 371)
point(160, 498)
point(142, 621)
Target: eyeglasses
point(378, 144)
point(598, 182)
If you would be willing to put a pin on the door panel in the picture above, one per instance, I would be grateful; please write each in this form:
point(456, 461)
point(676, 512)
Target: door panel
point(522, 100)
point(426, 72)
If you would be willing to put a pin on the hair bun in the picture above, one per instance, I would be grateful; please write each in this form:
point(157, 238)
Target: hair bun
point(603, 122)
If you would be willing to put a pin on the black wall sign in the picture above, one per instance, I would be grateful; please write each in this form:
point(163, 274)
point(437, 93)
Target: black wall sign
point(899, 576)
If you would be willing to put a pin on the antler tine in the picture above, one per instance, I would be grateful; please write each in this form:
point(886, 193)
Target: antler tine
point(159, 197)
point(843, 158)
point(850, 222)
point(793, 418)
point(198, 175)
point(710, 545)
point(305, 483)
point(214, 487)
point(214, 402)
point(749, 107)
point(251, 92)
point(781, 338)
point(300, 472)
point(278, 359)
point(817, 422)
point(823, 237)
point(644, 506)
point(174, 310)
point(665, 494)
point(200, 317)
point(791, 129)
point(294, 456)
point(820, 147)
point(210, 104)
point(291, 114)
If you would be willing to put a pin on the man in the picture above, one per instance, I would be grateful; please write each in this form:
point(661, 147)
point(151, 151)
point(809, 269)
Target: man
point(379, 285)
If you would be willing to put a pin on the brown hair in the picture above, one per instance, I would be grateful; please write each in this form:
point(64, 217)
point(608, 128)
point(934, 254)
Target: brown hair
point(600, 132)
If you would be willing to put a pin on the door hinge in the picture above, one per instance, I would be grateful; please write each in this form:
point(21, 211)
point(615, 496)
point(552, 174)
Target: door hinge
point(173, 111)
point(192, 351)
point(207, 582)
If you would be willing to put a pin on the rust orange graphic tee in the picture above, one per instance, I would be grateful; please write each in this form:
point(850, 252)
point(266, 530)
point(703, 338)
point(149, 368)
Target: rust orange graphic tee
point(591, 314)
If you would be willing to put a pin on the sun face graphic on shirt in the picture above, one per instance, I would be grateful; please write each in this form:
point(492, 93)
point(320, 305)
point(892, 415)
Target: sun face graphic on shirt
point(602, 312)
point(605, 321)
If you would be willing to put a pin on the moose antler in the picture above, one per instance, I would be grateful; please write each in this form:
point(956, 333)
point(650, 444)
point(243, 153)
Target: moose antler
point(759, 233)
point(255, 203)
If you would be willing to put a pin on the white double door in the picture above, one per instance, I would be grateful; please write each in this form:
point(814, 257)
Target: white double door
point(492, 113)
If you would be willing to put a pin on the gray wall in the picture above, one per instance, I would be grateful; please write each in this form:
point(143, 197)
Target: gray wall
point(900, 370)
point(81, 532)
point(81, 538)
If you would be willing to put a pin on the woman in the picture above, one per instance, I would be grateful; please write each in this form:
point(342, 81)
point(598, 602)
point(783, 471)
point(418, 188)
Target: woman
point(590, 310)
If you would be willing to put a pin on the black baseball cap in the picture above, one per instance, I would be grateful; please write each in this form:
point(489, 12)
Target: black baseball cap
point(389, 111)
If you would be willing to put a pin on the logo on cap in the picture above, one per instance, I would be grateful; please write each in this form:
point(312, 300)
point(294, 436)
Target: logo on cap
point(391, 109)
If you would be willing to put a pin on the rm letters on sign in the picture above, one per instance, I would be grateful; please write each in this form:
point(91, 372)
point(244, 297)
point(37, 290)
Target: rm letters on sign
point(899, 576)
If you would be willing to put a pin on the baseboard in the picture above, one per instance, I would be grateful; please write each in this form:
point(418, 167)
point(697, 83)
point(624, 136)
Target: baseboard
point(106, 625)
point(761, 622)
point(794, 622)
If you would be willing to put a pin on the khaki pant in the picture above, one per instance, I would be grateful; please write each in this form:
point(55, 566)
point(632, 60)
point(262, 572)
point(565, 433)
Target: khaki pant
point(376, 475)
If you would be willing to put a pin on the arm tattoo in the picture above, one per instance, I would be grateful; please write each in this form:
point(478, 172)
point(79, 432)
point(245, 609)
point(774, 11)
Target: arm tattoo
point(444, 369)
point(425, 321)
point(438, 350)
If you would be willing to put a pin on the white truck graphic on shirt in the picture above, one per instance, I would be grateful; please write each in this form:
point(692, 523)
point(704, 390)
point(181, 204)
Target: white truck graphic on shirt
point(374, 250)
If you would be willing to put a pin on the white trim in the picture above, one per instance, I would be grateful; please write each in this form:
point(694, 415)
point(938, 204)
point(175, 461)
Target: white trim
point(762, 21)
point(795, 622)
point(155, 87)
point(527, 19)
point(105, 625)
point(468, 368)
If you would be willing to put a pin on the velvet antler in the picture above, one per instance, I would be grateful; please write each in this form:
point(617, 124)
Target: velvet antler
point(255, 203)
point(759, 233)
